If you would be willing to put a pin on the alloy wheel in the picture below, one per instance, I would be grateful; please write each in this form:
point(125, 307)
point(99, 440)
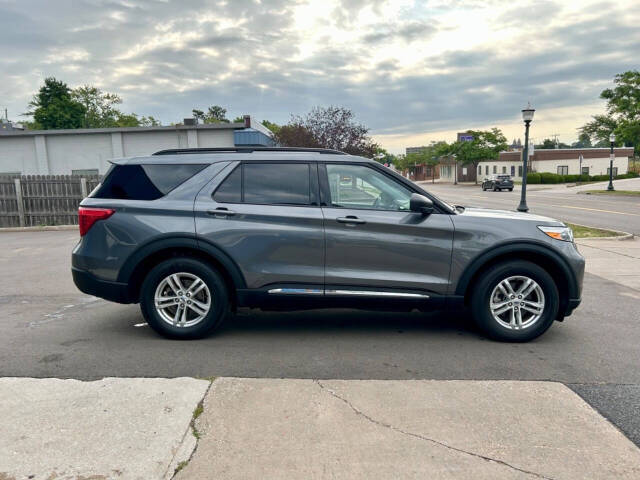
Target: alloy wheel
point(182, 299)
point(517, 302)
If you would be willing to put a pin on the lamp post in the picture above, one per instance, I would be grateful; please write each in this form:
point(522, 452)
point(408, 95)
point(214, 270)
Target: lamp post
point(455, 169)
point(527, 116)
point(612, 139)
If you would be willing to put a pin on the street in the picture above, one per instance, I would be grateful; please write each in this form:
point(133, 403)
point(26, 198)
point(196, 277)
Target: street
point(557, 201)
point(50, 329)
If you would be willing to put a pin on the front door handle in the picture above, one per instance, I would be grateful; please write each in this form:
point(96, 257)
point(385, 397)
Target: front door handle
point(221, 211)
point(352, 219)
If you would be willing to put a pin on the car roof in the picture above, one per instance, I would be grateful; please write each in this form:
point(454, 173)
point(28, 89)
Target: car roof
point(200, 157)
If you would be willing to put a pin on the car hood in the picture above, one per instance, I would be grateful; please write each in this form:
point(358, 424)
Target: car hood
point(508, 215)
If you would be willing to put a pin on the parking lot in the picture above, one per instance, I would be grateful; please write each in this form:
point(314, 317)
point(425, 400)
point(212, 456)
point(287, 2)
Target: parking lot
point(49, 329)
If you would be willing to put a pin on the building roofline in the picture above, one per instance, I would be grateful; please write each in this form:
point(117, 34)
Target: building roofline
point(76, 131)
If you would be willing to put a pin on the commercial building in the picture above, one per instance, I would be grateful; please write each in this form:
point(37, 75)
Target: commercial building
point(563, 161)
point(88, 151)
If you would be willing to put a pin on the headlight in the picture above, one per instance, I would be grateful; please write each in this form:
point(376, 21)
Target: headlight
point(559, 233)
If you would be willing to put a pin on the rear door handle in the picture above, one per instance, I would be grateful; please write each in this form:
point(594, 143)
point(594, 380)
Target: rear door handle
point(351, 219)
point(221, 211)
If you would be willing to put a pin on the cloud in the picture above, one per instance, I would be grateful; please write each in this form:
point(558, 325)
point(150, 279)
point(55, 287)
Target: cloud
point(407, 68)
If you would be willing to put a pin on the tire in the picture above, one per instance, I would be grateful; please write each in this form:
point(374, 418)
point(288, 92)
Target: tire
point(511, 189)
point(192, 324)
point(487, 289)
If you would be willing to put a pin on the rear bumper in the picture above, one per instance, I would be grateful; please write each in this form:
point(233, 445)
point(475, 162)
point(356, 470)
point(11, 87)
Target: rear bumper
point(112, 291)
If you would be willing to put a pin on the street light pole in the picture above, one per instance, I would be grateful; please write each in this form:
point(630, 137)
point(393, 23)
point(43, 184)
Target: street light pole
point(455, 171)
point(527, 116)
point(612, 139)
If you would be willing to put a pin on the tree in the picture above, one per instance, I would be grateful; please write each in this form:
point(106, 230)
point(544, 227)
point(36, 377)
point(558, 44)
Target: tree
point(329, 127)
point(274, 127)
point(100, 107)
point(584, 141)
point(622, 113)
point(486, 145)
point(54, 108)
point(383, 156)
point(549, 144)
point(296, 135)
point(215, 114)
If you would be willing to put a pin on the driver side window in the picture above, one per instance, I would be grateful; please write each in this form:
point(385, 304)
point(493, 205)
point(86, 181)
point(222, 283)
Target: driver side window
point(358, 186)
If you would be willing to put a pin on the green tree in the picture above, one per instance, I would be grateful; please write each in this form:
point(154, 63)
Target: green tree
point(274, 127)
point(549, 144)
point(584, 141)
point(486, 145)
point(100, 107)
point(622, 113)
point(54, 108)
point(214, 114)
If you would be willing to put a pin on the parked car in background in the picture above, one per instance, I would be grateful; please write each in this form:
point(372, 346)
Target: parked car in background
point(497, 183)
point(192, 235)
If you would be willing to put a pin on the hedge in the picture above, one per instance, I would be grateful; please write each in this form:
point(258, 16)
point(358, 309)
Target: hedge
point(551, 178)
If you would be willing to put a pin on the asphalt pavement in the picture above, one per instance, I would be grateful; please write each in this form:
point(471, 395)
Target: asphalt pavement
point(557, 201)
point(49, 329)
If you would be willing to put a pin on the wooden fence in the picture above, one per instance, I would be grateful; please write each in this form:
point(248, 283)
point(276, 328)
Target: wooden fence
point(35, 200)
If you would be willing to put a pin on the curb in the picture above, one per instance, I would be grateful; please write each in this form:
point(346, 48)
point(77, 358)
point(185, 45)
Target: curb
point(624, 236)
point(44, 228)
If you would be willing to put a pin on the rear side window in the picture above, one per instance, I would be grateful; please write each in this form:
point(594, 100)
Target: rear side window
point(144, 182)
point(267, 184)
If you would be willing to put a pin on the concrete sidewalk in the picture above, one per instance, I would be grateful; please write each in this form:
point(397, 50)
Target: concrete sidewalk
point(127, 428)
point(364, 429)
point(306, 429)
point(617, 261)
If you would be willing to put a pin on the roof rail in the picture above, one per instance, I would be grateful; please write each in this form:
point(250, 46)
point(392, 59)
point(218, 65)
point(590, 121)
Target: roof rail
point(182, 151)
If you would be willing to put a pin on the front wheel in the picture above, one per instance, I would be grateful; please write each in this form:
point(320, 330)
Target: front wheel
point(184, 298)
point(515, 301)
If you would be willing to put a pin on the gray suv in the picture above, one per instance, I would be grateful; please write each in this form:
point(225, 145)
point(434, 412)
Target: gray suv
point(194, 234)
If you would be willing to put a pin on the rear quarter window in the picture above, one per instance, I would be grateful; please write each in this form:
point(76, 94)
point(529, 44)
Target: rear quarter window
point(144, 182)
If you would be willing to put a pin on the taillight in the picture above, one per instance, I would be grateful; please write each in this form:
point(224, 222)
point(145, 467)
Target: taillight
point(88, 216)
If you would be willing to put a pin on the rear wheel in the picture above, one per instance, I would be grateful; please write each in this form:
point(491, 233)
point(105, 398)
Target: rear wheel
point(515, 301)
point(184, 298)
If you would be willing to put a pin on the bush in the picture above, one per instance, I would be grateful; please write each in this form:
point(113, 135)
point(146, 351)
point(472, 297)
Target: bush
point(546, 177)
point(533, 177)
point(552, 178)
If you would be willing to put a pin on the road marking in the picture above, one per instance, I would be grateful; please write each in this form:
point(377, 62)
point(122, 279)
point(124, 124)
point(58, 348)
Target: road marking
point(596, 210)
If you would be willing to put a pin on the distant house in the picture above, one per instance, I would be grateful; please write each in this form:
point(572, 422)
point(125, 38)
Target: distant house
point(563, 161)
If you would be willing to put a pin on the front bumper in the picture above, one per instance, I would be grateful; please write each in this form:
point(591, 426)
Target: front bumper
point(112, 291)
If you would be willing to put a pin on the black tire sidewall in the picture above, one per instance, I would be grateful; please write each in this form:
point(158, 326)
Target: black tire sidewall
point(482, 291)
point(215, 283)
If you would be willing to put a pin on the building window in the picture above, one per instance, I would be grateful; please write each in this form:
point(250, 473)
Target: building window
point(86, 172)
point(479, 169)
point(504, 169)
point(513, 170)
point(520, 170)
point(585, 170)
point(486, 170)
point(495, 169)
point(563, 170)
point(615, 171)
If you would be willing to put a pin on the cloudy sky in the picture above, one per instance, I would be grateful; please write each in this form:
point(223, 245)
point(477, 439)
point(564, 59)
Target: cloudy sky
point(412, 71)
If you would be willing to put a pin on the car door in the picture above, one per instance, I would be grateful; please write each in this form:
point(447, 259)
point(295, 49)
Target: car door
point(373, 240)
point(265, 215)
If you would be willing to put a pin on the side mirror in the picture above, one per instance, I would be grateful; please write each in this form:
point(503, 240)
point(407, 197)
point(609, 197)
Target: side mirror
point(420, 204)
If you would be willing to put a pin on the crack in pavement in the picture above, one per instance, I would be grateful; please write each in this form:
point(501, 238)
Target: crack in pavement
point(425, 438)
point(191, 430)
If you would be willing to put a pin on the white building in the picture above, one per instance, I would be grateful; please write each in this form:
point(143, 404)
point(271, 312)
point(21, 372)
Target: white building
point(563, 161)
point(88, 151)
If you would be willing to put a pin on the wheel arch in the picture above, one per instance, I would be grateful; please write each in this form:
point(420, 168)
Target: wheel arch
point(534, 252)
point(146, 257)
